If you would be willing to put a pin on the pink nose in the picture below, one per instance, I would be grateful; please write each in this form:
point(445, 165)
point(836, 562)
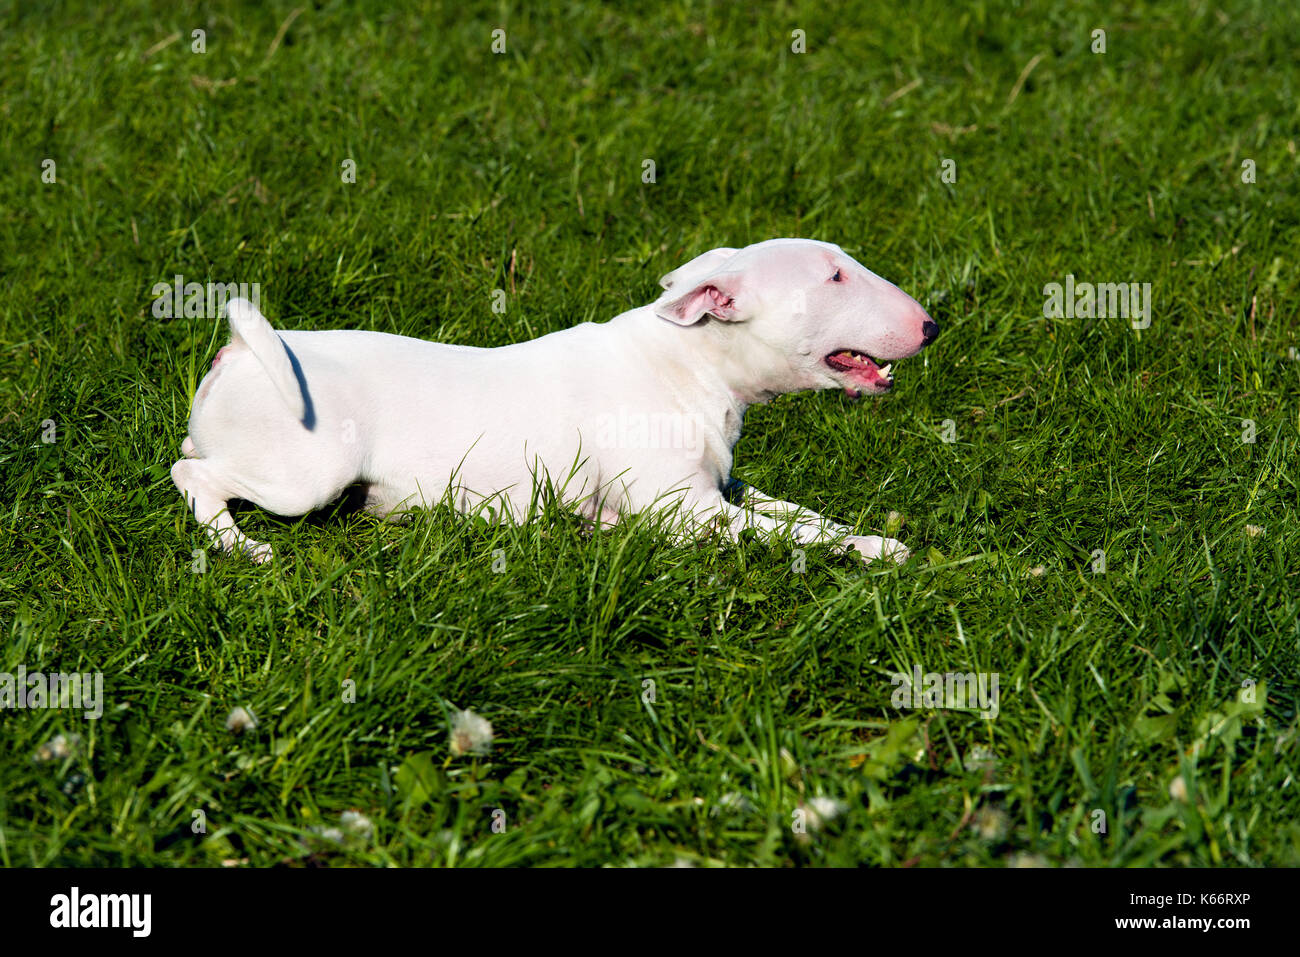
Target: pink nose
point(918, 318)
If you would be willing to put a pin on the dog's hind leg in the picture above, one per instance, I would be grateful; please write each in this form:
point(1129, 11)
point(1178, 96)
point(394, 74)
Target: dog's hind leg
point(208, 497)
point(188, 450)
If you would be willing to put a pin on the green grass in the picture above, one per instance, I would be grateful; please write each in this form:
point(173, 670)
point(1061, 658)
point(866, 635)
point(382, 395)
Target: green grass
point(523, 172)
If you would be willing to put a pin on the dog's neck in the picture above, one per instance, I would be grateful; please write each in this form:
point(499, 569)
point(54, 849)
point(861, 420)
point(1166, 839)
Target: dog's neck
point(724, 359)
point(713, 371)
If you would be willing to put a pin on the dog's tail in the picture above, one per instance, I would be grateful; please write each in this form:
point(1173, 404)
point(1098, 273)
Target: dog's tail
point(249, 326)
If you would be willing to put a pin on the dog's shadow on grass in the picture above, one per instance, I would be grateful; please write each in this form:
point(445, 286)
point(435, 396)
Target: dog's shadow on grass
point(339, 512)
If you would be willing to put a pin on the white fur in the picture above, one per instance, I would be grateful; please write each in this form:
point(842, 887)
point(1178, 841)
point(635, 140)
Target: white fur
point(289, 420)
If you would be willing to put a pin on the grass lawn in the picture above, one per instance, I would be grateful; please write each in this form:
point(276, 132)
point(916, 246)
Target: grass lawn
point(1103, 516)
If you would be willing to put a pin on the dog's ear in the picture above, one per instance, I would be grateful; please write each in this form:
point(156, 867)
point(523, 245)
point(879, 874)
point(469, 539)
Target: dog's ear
point(714, 295)
point(697, 268)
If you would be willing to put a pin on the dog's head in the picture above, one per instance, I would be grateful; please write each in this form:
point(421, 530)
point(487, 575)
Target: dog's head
point(813, 315)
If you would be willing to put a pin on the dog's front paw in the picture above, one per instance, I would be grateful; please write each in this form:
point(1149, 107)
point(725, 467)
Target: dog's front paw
point(259, 552)
point(873, 546)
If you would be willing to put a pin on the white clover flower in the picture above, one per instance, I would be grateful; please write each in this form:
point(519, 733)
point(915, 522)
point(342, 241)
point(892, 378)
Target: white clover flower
point(58, 748)
point(822, 810)
point(331, 834)
point(733, 802)
point(356, 823)
point(979, 758)
point(470, 733)
point(1178, 789)
point(240, 720)
point(991, 824)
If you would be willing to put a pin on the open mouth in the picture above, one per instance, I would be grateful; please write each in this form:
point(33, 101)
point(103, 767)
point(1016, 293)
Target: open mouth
point(863, 373)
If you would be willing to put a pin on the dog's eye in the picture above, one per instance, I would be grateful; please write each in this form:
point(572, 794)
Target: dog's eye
point(837, 277)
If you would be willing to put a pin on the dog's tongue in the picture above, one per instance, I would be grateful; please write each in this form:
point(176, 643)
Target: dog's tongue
point(861, 369)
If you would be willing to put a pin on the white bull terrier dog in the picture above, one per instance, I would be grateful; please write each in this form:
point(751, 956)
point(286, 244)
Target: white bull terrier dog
point(289, 420)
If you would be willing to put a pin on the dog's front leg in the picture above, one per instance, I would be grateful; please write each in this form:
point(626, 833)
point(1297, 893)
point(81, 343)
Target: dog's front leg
point(758, 510)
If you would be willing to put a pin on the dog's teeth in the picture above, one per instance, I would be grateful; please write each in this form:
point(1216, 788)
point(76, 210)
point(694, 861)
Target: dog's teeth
point(884, 370)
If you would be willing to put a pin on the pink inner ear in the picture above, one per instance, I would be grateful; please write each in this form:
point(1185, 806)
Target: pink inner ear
point(709, 299)
point(718, 300)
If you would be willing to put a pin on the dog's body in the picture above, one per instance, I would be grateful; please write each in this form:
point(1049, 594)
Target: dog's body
point(289, 420)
